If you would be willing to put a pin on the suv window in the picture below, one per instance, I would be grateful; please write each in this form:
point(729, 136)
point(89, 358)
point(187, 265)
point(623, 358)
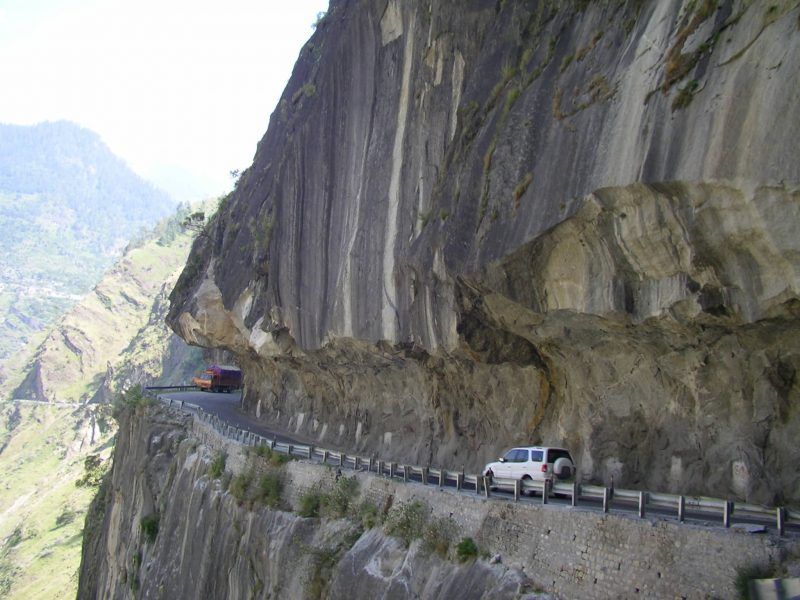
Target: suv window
point(554, 455)
point(516, 455)
point(536, 455)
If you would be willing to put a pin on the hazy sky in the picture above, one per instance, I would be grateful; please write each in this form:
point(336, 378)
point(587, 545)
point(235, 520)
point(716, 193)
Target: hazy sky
point(172, 86)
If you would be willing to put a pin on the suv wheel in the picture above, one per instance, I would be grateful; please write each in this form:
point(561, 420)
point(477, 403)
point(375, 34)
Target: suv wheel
point(524, 479)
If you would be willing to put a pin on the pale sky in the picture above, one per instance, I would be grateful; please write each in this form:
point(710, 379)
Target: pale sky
point(172, 86)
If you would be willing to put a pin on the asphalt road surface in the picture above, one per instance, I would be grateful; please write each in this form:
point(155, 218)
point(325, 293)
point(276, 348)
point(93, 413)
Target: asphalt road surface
point(228, 408)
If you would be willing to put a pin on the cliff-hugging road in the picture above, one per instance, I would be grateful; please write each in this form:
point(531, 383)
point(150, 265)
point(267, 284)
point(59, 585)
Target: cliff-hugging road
point(227, 408)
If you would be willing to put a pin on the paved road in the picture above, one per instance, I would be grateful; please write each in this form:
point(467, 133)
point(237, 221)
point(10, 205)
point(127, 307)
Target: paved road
point(228, 408)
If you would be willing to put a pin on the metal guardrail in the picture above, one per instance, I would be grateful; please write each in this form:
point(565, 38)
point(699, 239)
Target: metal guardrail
point(610, 497)
point(177, 388)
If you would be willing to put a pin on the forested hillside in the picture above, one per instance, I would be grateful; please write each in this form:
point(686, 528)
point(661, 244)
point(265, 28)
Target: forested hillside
point(68, 206)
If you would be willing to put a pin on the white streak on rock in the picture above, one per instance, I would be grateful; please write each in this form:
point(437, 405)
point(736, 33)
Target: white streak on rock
point(458, 83)
point(389, 310)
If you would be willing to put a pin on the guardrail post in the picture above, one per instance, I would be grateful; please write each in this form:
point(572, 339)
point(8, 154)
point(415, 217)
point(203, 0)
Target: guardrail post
point(289, 450)
point(310, 452)
point(574, 493)
point(682, 508)
point(357, 463)
point(424, 475)
point(605, 499)
point(441, 477)
point(781, 518)
point(405, 473)
point(272, 444)
point(517, 489)
point(341, 459)
point(392, 469)
point(727, 509)
point(380, 468)
point(324, 457)
point(486, 486)
point(459, 481)
point(545, 490)
point(641, 505)
point(371, 462)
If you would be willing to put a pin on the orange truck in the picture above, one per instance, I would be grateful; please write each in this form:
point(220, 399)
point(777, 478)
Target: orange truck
point(219, 378)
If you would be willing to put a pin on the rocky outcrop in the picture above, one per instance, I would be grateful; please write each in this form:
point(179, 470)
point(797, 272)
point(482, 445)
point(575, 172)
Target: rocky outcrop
point(473, 225)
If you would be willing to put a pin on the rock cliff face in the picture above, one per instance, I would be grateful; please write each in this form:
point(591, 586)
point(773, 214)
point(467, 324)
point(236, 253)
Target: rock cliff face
point(473, 224)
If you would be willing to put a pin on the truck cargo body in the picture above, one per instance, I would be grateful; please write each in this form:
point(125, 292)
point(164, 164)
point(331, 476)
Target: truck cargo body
point(219, 378)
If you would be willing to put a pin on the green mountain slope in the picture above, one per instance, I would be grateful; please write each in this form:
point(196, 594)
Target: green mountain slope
point(68, 206)
point(43, 450)
point(116, 335)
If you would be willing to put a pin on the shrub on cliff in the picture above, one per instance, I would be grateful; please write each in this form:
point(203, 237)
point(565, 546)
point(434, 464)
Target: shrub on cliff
point(269, 490)
point(149, 525)
point(265, 491)
point(368, 515)
point(128, 401)
point(240, 485)
point(309, 504)
point(336, 503)
point(407, 521)
point(466, 549)
point(217, 466)
point(273, 459)
point(438, 536)
point(93, 471)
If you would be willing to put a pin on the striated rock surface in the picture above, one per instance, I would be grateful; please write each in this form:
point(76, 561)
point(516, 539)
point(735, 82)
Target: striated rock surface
point(472, 224)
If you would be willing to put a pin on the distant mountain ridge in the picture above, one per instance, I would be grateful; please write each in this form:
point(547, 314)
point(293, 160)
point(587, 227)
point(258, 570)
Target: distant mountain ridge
point(68, 206)
point(66, 162)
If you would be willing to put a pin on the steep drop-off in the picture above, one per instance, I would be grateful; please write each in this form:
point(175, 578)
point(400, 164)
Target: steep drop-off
point(475, 224)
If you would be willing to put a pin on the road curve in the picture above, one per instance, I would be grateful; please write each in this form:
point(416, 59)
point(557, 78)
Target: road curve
point(228, 408)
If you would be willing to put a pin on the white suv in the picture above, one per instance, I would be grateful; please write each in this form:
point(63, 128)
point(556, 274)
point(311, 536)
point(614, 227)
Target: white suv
point(533, 462)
